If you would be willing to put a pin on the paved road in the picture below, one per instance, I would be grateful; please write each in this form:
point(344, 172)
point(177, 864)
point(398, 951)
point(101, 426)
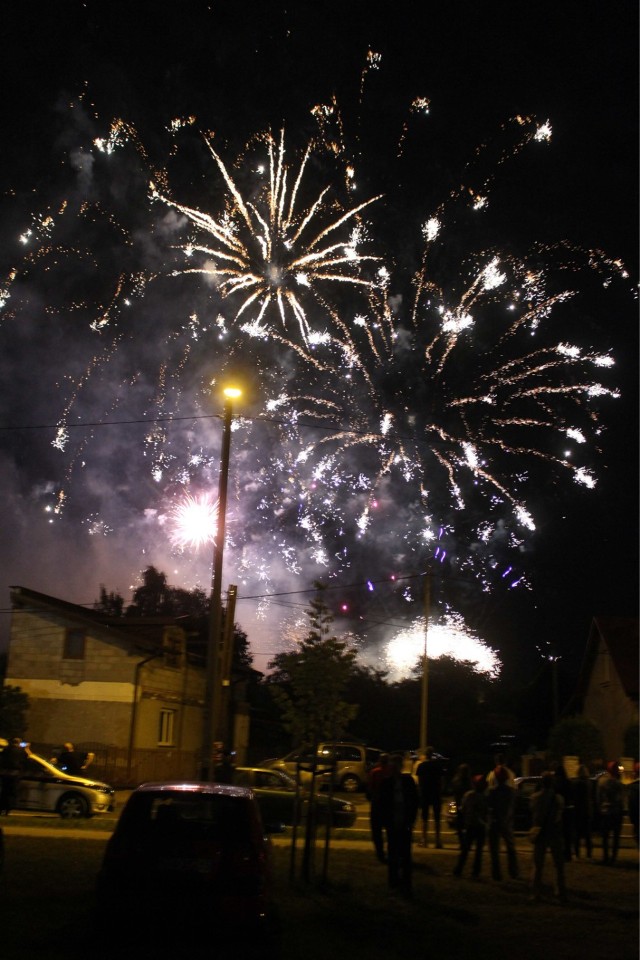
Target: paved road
point(26, 823)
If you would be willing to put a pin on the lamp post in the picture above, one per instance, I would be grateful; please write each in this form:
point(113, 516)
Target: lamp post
point(425, 665)
point(212, 693)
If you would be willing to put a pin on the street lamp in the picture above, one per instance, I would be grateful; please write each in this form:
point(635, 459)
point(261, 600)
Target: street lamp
point(212, 693)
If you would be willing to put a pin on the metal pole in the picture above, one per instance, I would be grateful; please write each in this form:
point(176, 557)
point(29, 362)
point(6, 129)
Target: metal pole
point(221, 725)
point(425, 665)
point(215, 617)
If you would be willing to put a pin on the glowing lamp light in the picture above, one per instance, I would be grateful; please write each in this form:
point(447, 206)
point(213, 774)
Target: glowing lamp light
point(232, 393)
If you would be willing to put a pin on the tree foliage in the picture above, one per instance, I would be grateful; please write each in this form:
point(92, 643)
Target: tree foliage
point(156, 598)
point(309, 683)
point(576, 737)
point(111, 604)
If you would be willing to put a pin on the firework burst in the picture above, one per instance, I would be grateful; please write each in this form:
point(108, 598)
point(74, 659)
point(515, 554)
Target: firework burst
point(193, 521)
point(414, 388)
point(281, 258)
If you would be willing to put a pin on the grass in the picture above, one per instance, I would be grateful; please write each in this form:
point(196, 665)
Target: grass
point(46, 892)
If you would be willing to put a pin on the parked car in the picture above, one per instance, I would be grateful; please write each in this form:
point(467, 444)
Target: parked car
point(44, 786)
point(348, 763)
point(276, 793)
point(189, 859)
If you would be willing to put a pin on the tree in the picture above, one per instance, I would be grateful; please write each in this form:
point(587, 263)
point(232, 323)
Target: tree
point(576, 737)
point(309, 683)
point(110, 604)
point(156, 598)
point(14, 705)
point(150, 599)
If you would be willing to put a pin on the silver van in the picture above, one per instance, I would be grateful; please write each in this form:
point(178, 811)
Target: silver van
point(348, 763)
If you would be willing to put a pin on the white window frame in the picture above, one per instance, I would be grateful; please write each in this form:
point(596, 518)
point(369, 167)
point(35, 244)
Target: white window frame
point(166, 727)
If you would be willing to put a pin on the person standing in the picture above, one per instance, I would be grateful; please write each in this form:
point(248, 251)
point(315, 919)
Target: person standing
point(72, 761)
point(378, 773)
point(13, 763)
point(501, 803)
point(501, 765)
point(474, 811)
point(430, 774)
point(583, 815)
point(399, 802)
point(461, 783)
point(225, 771)
point(546, 833)
point(564, 787)
point(610, 805)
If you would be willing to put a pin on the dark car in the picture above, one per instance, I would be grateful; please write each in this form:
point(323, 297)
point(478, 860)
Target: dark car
point(187, 858)
point(275, 791)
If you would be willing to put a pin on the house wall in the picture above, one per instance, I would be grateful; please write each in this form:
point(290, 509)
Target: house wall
point(178, 691)
point(108, 696)
point(606, 703)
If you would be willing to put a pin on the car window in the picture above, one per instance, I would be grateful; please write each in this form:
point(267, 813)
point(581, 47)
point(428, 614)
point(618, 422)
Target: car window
point(270, 781)
point(211, 816)
point(349, 753)
point(35, 769)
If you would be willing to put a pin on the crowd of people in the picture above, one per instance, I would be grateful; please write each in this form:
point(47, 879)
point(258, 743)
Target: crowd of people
point(565, 813)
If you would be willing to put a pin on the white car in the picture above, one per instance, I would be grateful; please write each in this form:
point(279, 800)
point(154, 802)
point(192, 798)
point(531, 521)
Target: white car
point(44, 787)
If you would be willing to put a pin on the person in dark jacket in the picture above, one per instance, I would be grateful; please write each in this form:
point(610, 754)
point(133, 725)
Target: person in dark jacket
point(610, 804)
point(399, 804)
point(72, 761)
point(474, 813)
point(546, 832)
point(583, 795)
point(377, 775)
point(462, 782)
point(564, 787)
point(13, 762)
point(430, 774)
point(225, 771)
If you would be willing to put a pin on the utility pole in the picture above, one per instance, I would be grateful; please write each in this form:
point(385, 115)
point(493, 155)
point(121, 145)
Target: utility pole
point(425, 664)
point(224, 691)
point(212, 694)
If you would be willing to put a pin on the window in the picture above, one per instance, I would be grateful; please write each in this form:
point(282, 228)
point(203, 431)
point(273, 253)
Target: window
point(172, 647)
point(166, 728)
point(74, 644)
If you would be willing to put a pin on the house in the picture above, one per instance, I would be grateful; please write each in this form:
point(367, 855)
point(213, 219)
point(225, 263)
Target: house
point(128, 689)
point(607, 688)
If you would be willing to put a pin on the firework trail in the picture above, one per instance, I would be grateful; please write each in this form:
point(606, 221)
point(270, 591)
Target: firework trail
point(414, 388)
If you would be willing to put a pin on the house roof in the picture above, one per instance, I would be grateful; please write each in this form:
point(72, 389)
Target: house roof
point(143, 634)
point(620, 634)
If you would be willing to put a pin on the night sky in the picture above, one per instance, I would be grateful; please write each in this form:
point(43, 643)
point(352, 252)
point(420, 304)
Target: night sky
point(71, 69)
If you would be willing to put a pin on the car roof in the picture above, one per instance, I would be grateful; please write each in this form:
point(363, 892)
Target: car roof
point(269, 770)
point(195, 786)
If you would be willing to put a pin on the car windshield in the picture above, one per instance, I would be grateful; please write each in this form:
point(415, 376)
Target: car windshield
point(211, 816)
